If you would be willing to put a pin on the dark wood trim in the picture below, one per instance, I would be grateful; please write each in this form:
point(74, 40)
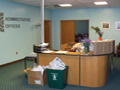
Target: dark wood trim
point(11, 62)
point(50, 32)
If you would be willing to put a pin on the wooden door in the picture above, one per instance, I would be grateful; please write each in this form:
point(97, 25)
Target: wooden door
point(67, 31)
point(47, 32)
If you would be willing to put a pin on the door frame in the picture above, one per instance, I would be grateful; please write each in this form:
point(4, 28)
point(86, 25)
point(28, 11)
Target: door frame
point(50, 32)
point(75, 20)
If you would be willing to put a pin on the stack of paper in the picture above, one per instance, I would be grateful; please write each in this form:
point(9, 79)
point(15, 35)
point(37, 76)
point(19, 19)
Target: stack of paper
point(61, 51)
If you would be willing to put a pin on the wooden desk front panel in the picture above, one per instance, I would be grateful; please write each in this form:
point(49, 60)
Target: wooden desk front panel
point(93, 71)
point(71, 61)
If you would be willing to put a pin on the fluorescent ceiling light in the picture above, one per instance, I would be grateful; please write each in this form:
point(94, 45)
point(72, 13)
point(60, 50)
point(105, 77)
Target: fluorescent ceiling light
point(100, 3)
point(65, 5)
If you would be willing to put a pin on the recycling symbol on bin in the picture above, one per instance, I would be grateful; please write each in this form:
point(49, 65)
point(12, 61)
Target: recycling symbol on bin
point(54, 75)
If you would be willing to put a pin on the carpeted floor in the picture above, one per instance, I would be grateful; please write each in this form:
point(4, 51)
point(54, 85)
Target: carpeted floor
point(12, 77)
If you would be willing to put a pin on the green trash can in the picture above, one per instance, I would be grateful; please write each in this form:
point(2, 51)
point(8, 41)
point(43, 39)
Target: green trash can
point(57, 78)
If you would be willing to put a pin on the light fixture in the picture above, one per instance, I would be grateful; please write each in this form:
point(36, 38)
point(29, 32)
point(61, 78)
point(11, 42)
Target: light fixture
point(65, 5)
point(101, 3)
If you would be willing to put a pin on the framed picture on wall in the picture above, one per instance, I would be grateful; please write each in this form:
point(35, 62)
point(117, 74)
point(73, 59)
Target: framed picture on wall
point(117, 25)
point(105, 25)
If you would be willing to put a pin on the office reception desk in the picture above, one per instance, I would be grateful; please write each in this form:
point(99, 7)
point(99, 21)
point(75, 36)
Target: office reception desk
point(84, 70)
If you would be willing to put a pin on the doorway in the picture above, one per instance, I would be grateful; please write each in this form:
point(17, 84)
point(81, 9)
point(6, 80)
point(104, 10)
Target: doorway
point(71, 29)
point(81, 30)
point(48, 33)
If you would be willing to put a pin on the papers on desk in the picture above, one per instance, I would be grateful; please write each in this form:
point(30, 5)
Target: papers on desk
point(47, 51)
point(43, 45)
point(61, 51)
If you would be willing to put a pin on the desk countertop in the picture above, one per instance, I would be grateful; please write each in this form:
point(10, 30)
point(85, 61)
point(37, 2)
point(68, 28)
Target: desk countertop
point(74, 53)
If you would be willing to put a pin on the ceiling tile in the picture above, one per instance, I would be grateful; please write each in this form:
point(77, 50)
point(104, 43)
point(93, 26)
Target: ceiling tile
point(76, 3)
point(114, 4)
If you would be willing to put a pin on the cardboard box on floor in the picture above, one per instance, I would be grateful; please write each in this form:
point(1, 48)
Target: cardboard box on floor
point(26, 70)
point(35, 77)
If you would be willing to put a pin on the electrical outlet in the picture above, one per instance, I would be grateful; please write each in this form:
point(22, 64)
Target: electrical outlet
point(16, 52)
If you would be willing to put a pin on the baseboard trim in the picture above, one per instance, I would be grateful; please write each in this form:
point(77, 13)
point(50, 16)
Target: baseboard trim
point(11, 62)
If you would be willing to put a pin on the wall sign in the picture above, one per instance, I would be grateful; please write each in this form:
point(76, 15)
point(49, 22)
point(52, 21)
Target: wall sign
point(1, 22)
point(17, 19)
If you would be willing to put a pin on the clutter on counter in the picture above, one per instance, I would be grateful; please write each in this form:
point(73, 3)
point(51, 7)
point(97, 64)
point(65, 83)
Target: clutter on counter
point(61, 52)
point(40, 47)
point(43, 44)
point(49, 51)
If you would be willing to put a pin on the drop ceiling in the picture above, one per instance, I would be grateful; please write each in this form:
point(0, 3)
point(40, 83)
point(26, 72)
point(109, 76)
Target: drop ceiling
point(52, 4)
